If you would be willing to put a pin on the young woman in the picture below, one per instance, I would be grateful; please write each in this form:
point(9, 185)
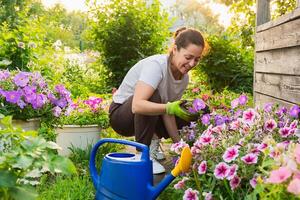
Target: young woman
point(147, 103)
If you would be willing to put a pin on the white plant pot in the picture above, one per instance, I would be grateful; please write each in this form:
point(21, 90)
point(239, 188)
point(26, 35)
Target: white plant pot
point(76, 136)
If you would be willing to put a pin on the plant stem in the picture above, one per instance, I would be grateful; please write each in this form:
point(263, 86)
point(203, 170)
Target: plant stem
point(228, 189)
point(196, 180)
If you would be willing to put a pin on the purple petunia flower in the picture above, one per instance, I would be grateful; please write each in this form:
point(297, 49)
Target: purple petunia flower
point(243, 99)
point(219, 120)
point(205, 119)
point(56, 111)
point(21, 79)
point(231, 154)
point(250, 158)
point(12, 96)
point(294, 111)
point(190, 194)
point(202, 167)
point(268, 107)
point(198, 104)
point(235, 182)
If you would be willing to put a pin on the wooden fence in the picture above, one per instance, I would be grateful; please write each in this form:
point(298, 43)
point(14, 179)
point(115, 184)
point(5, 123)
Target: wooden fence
point(277, 57)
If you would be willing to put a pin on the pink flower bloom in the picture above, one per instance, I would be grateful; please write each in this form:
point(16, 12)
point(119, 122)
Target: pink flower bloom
point(234, 103)
point(195, 90)
point(235, 182)
point(177, 147)
point(221, 171)
point(270, 125)
point(249, 115)
point(232, 171)
point(202, 167)
point(190, 194)
point(249, 158)
point(206, 139)
point(280, 175)
point(297, 153)
point(208, 196)
point(235, 125)
point(230, 154)
point(284, 132)
point(294, 124)
point(180, 184)
point(243, 99)
point(253, 182)
point(262, 146)
point(294, 186)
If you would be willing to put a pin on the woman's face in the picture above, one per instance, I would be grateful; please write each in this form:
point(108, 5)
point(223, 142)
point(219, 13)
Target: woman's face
point(186, 58)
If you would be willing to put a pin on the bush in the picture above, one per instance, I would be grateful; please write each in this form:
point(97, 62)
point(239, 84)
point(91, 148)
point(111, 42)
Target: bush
point(227, 66)
point(126, 31)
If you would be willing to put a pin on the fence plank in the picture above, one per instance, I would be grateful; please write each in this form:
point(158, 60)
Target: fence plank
point(285, 87)
point(263, 12)
point(280, 61)
point(285, 35)
point(262, 99)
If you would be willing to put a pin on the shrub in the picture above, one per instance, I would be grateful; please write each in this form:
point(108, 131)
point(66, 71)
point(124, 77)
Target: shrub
point(226, 65)
point(126, 31)
point(24, 158)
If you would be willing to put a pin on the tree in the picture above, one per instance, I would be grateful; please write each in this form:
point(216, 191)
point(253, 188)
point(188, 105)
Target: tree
point(125, 31)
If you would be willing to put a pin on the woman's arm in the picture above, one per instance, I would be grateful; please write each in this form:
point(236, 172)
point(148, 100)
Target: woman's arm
point(170, 124)
point(141, 104)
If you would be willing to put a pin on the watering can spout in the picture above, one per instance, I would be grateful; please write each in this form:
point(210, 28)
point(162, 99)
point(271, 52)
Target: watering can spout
point(182, 166)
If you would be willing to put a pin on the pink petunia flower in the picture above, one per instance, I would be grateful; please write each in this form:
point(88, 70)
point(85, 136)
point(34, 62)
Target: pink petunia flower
point(231, 154)
point(232, 171)
point(208, 196)
point(206, 139)
point(249, 116)
point(294, 186)
point(280, 175)
point(190, 194)
point(177, 147)
point(235, 125)
point(235, 182)
point(234, 103)
point(262, 146)
point(202, 167)
point(284, 132)
point(180, 184)
point(253, 181)
point(221, 171)
point(270, 125)
point(297, 153)
point(249, 158)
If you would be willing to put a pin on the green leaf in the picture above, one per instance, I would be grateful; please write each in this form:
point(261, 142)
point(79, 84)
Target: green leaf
point(7, 121)
point(62, 165)
point(7, 179)
point(23, 193)
point(23, 162)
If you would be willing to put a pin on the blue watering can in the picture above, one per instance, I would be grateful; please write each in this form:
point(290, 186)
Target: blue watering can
point(126, 176)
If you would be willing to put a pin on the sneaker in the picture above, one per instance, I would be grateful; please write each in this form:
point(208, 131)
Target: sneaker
point(156, 150)
point(157, 167)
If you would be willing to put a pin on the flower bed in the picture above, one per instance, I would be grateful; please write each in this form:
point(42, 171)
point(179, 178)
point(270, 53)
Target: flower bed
point(233, 148)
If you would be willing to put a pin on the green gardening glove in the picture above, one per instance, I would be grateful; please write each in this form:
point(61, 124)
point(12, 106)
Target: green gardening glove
point(174, 108)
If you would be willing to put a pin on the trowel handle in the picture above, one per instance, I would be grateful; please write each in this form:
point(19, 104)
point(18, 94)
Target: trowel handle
point(141, 147)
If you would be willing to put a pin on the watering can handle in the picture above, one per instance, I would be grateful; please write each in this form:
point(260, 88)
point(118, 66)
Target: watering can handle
point(93, 170)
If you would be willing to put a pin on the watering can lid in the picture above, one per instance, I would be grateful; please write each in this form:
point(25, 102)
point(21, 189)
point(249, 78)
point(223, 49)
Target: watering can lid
point(124, 157)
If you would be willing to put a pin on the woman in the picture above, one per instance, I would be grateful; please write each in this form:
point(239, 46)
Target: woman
point(147, 104)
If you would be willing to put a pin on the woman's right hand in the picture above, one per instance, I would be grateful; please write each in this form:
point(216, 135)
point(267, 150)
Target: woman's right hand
point(174, 108)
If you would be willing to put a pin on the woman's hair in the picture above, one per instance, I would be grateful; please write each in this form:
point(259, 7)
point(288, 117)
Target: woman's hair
point(186, 36)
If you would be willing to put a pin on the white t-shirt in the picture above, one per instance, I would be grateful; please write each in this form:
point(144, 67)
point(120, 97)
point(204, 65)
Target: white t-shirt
point(155, 72)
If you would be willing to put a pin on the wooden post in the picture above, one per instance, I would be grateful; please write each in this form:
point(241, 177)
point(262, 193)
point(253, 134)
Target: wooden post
point(298, 4)
point(263, 12)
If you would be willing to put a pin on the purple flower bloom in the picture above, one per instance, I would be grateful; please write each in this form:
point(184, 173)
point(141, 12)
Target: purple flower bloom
point(270, 125)
point(198, 104)
point(219, 120)
point(268, 107)
point(235, 182)
point(56, 111)
point(21, 79)
point(294, 111)
point(243, 99)
point(21, 104)
point(12, 96)
point(205, 119)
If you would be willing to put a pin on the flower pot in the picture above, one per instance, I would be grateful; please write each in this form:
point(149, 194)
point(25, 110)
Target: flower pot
point(26, 125)
point(76, 136)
